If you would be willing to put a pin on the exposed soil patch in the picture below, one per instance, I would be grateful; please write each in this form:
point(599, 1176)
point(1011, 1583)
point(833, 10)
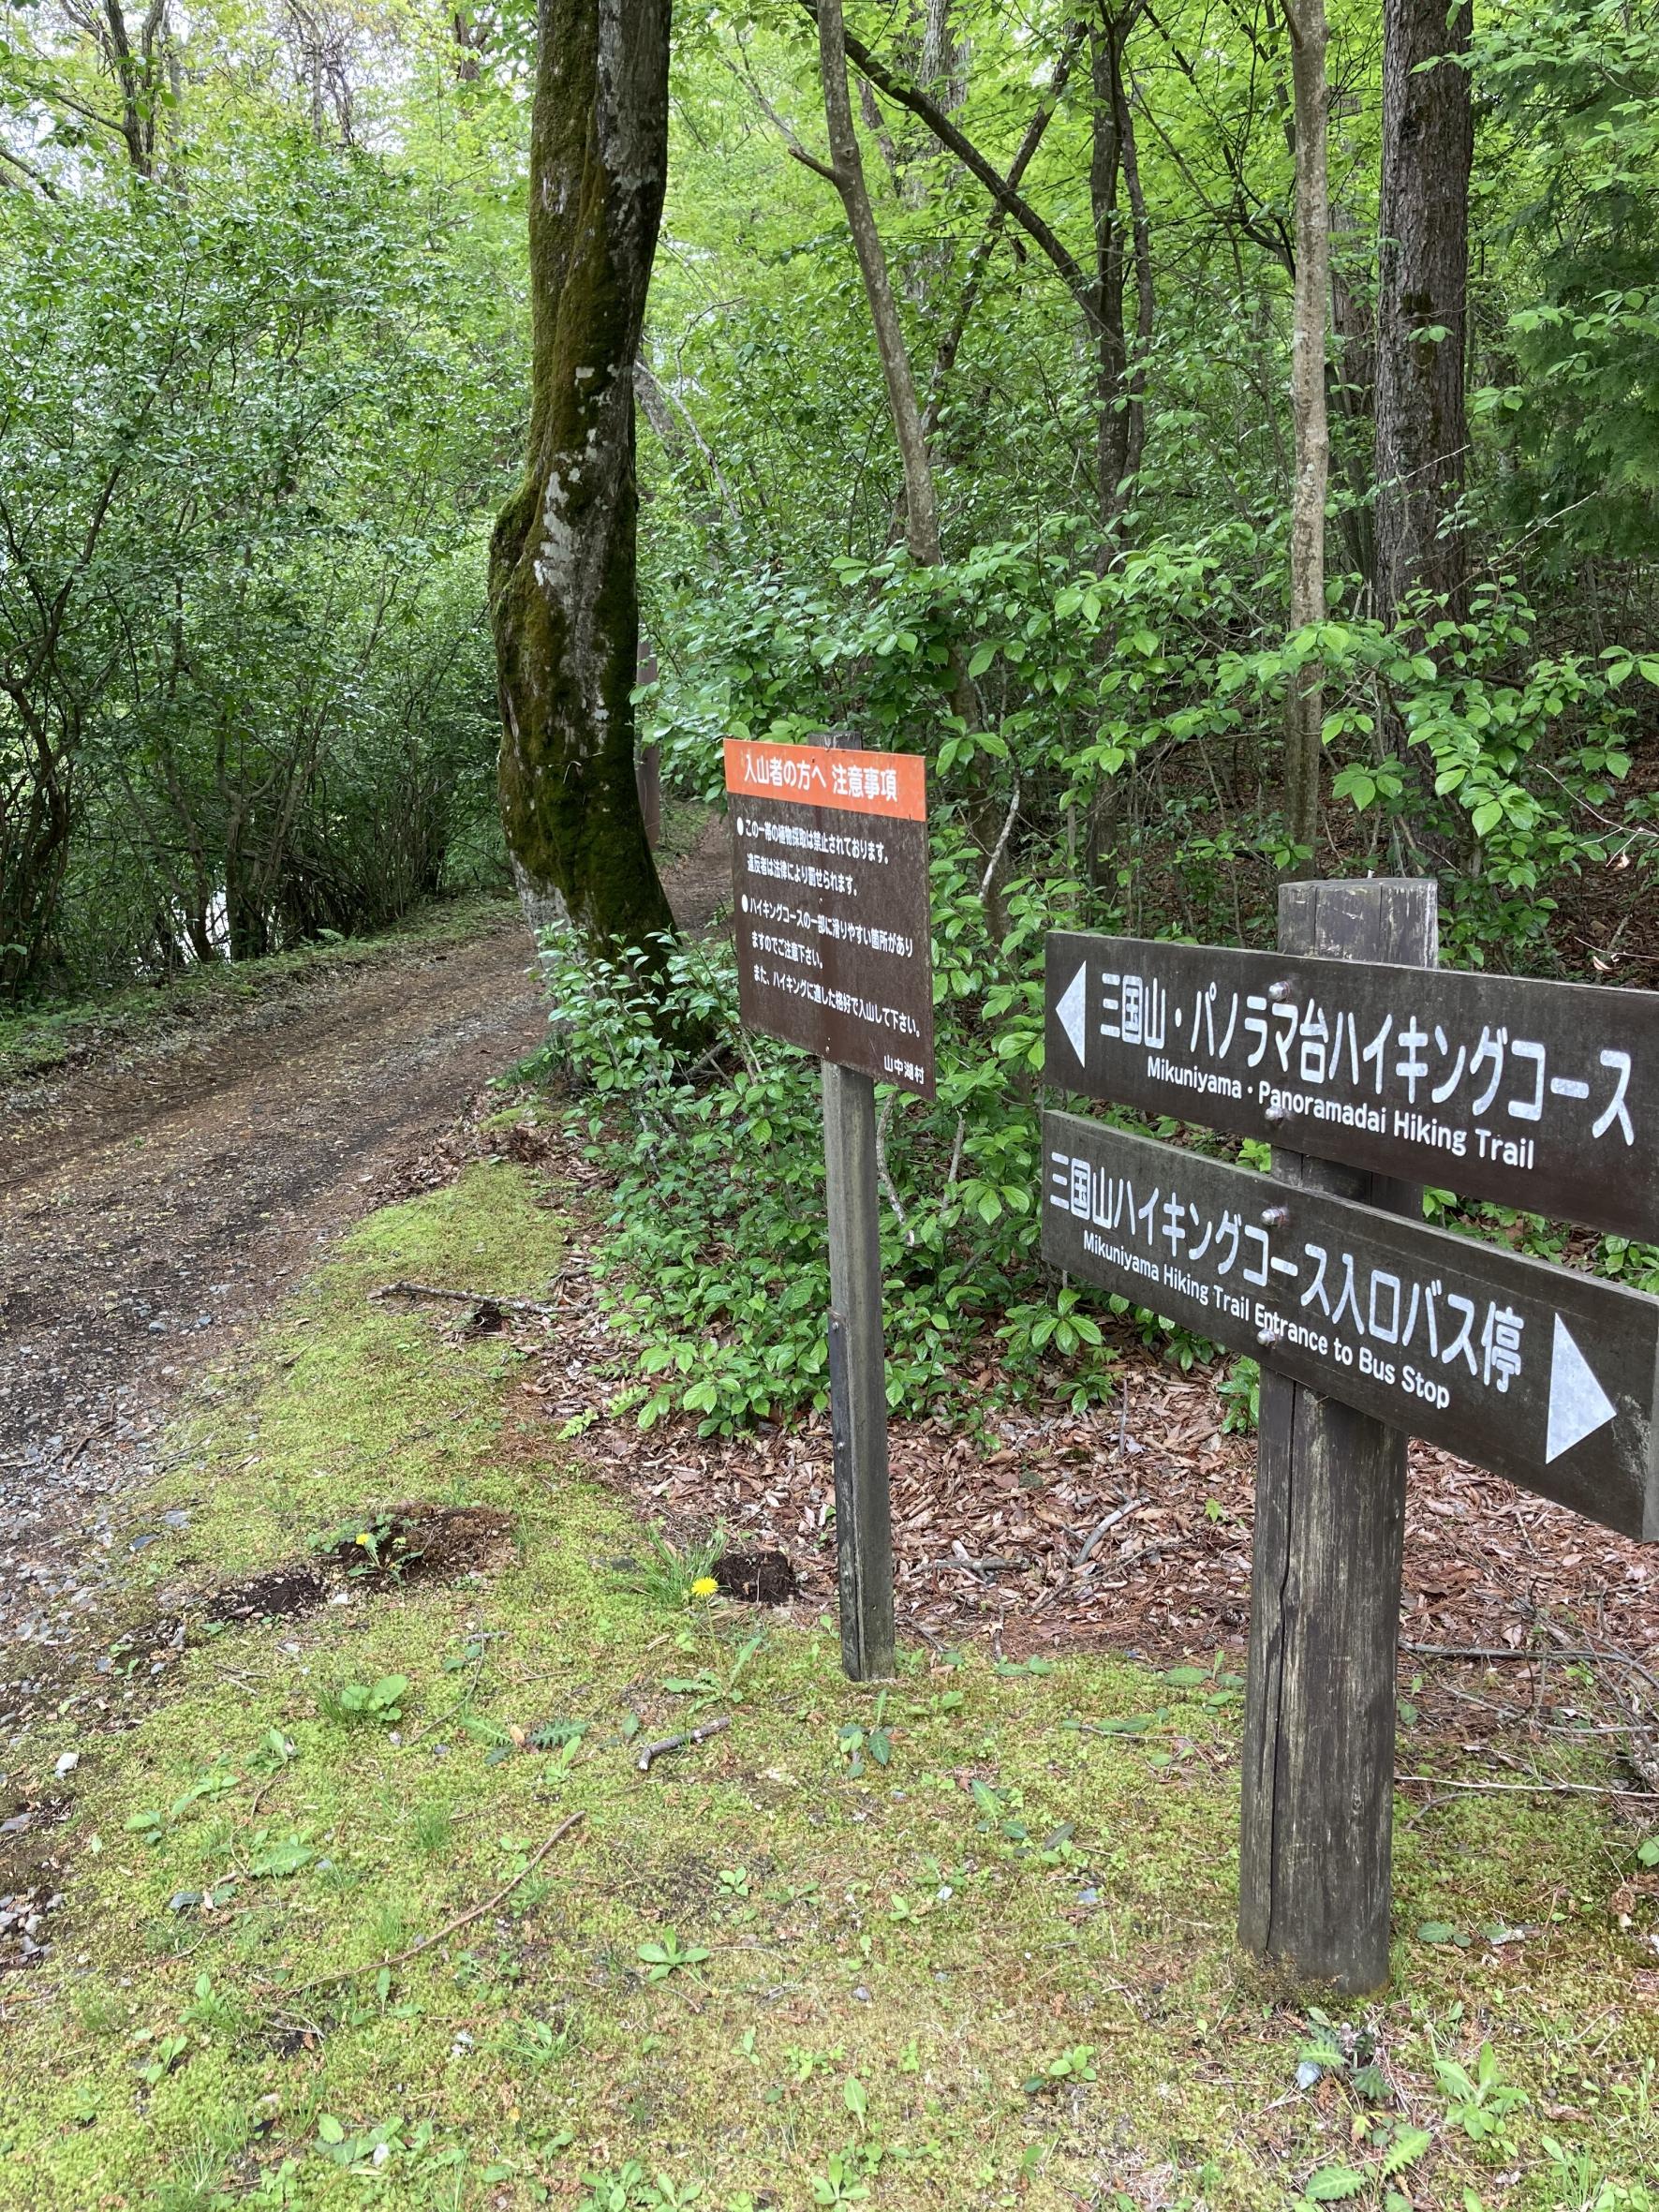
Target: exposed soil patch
point(281, 1595)
point(410, 1542)
point(415, 1542)
point(763, 1578)
point(30, 1878)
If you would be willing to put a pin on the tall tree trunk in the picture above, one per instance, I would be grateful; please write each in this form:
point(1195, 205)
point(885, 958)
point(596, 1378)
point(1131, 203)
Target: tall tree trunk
point(1119, 405)
point(1422, 290)
point(1305, 694)
point(564, 590)
point(1111, 351)
point(1350, 395)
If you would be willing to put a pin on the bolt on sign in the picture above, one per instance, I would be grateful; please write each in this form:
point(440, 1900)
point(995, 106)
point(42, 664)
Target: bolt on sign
point(1541, 1096)
point(830, 869)
point(1546, 1375)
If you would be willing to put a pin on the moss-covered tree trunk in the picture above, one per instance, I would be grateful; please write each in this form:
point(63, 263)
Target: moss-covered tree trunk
point(563, 584)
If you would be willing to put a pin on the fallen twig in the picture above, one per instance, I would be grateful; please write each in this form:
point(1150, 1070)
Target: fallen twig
point(466, 1297)
point(697, 1735)
point(1530, 1788)
point(1118, 1513)
point(401, 1958)
point(1001, 845)
point(885, 1177)
point(82, 1442)
point(1531, 1651)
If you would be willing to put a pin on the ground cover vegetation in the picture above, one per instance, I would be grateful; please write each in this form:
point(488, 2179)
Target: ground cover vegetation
point(326, 1934)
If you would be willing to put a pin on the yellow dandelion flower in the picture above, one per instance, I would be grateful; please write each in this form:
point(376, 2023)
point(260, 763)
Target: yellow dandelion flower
point(365, 1539)
point(704, 1586)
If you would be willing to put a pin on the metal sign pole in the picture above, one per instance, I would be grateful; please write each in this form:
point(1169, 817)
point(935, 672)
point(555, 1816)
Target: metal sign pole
point(857, 1359)
point(858, 1375)
point(1316, 1826)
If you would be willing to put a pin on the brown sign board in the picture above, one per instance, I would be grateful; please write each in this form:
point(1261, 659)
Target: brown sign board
point(1544, 1096)
point(829, 857)
point(1546, 1375)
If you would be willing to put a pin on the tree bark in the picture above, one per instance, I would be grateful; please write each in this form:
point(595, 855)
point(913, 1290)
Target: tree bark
point(564, 589)
point(1304, 696)
point(1119, 405)
point(1423, 274)
point(847, 174)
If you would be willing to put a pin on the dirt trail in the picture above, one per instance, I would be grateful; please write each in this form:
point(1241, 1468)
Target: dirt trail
point(149, 1214)
point(149, 1211)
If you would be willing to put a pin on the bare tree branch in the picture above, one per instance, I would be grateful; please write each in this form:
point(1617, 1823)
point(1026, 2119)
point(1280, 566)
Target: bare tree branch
point(1017, 209)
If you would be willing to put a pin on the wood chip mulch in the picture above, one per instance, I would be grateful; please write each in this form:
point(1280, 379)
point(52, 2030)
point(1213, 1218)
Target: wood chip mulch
point(1127, 1527)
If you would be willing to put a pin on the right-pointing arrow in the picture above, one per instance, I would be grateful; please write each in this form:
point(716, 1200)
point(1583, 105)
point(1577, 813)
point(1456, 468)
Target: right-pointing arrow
point(1072, 1010)
point(1577, 1403)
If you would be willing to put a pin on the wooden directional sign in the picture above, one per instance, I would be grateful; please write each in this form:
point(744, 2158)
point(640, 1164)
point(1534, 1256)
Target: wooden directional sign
point(1542, 1095)
point(1550, 1376)
point(834, 940)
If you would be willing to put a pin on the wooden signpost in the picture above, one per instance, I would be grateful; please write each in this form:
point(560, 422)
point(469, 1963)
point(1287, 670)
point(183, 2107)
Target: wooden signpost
point(1368, 1323)
point(834, 955)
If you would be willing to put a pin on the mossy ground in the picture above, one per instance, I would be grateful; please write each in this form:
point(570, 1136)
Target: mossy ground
point(877, 1960)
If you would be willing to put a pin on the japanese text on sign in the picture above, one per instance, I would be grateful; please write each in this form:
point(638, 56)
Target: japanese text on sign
point(1352, 1311)
point(830, 861)
point(1532, 1091)
point(1507, 1360)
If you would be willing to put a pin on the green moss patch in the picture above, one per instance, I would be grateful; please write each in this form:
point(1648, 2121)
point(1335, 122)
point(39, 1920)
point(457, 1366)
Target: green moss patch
point(964, 1942)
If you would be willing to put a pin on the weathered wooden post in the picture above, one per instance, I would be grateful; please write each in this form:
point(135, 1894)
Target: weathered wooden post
point(1316, 1826)
point(857, 1361)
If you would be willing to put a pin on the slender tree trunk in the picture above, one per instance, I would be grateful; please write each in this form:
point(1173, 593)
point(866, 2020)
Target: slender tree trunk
point(1119, 405)
point(563, 583)
point(137, 79)
point(1351, 386)
point(1422, 302)
point(847, 175)
point(1304, 697)
point(1105, 169)
point(1141, 251)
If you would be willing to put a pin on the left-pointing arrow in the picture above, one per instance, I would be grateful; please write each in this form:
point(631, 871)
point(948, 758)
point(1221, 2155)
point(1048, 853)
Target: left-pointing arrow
point(1071, 1010)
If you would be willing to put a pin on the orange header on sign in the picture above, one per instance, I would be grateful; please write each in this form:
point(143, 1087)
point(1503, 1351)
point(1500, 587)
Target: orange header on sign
point(889, 783)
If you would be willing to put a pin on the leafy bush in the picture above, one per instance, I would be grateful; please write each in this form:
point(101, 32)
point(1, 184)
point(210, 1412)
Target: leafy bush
point(714, 1259)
